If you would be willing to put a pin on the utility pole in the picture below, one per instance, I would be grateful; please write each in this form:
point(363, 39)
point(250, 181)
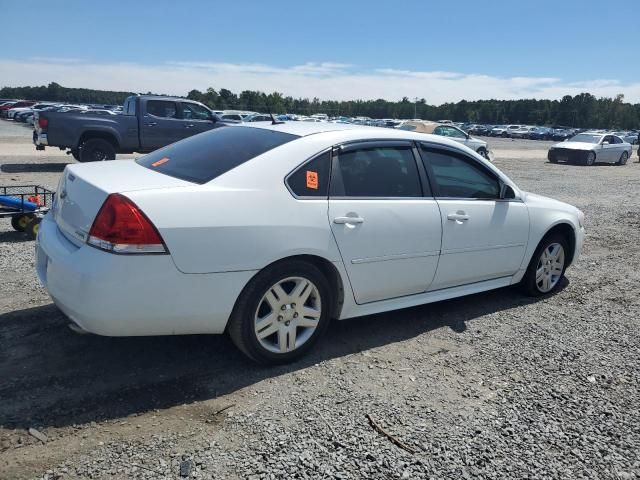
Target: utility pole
point(415, 107)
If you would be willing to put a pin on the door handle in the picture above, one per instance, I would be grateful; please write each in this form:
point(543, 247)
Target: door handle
point(343, 220)
point(191, 125)
point(458, 217)
point(151, 124)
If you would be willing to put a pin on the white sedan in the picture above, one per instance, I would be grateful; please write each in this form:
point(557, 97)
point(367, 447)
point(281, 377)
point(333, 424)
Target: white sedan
point(268, 231)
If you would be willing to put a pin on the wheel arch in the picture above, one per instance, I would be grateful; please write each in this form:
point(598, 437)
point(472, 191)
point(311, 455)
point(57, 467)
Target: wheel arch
point(104, 135)
point(325, 266)
point(567, 231)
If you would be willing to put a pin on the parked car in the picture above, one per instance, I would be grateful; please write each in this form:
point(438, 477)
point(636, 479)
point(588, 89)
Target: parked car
point(257, 117)
point(588, 148)
point(521, 132)
point(148, 123)
point(404, 220)
point(10, 105)
point(541, 133)
point(450, 131)
point(629, 137)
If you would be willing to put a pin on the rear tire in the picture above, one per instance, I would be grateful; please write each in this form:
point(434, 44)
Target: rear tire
point(270, 299)
point(590, 159)
point(20, 222)
point(547, 266)
point(96, 150)
point(623, 158)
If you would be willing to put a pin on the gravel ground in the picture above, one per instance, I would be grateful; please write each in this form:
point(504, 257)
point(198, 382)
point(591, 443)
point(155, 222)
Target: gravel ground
point(495, 385)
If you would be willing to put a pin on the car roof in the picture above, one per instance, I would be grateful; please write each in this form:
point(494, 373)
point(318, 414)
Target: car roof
point(303, 129)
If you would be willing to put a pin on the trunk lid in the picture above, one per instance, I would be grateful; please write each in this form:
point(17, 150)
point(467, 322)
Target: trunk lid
point(83, 189)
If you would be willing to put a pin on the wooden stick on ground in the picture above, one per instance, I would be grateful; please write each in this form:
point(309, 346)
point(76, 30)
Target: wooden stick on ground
point(393, 439)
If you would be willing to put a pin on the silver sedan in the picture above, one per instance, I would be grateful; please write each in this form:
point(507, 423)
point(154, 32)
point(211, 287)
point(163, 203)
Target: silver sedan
point(589, 148)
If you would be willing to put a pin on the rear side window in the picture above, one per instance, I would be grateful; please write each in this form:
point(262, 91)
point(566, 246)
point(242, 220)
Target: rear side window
point(162, 108)
point(312, 178)
point(379, 172)
point(203, 157)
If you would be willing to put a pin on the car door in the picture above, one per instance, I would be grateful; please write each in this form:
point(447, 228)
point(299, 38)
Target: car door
point(483, 236)
point(196, 119)
point(452, 133)
point(160, 124)
point(607, 149)
point(618, 148)
point(384, 219)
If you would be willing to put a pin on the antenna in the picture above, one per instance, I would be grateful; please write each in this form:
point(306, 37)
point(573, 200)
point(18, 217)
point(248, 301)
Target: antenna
point(273, 119)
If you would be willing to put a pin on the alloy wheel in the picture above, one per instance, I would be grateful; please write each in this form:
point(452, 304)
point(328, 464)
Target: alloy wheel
point(287, 315)
point(550, 267)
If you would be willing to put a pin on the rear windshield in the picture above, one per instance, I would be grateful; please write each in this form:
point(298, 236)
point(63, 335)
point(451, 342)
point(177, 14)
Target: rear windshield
point(203, 157)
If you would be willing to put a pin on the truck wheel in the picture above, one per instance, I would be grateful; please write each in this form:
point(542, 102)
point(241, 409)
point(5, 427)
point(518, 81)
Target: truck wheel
point(96, 150)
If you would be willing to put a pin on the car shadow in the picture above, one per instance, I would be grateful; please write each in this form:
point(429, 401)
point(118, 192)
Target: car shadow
point(52, 376)
point(13, 236)
point(32, 167)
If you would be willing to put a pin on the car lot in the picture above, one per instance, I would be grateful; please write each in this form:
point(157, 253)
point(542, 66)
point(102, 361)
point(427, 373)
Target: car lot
point(491, 386)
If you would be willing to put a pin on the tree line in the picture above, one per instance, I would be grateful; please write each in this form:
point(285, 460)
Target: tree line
point(582, 111)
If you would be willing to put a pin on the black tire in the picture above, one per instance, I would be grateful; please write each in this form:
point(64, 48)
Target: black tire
point(241, 327)
point(20, 222)
point(623, 159)
point(590, 159)
point(528, 283)
point(96, 150)
point(483, 153)
point(33, 227)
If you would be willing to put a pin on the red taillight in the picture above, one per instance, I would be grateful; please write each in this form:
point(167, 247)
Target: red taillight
point(43, 122)
point(121, 227)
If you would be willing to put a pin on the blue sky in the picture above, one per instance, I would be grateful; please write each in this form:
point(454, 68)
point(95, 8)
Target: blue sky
point(440, 50)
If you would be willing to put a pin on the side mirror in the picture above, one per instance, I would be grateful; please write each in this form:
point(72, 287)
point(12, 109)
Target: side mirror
point(605, 143)
point(507, 192)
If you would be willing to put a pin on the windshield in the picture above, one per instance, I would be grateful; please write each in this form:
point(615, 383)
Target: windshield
point(586, 138)
point(203, 157)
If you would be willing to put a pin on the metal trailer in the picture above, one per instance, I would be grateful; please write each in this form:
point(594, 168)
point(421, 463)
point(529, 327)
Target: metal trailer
point(25, 205)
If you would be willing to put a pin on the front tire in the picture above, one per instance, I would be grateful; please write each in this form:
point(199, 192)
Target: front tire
point(281, 313)
point(547, 266)
point(96, 150)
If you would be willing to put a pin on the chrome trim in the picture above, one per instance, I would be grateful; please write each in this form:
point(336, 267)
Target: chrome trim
point(399, 256)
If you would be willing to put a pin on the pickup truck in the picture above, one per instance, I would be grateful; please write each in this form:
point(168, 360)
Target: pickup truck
point(146, 124)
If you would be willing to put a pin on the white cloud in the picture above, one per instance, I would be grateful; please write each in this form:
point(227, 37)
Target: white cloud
point(324, 80)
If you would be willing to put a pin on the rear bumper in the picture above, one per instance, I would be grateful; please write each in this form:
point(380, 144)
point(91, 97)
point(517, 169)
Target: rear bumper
point(132, 295)
point(40, 139)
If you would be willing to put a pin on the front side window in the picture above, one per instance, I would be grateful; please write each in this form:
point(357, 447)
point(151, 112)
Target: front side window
point(193, 111)
point(312, 178)
point(162, 109)
point(379, 172)
point(449, 132)
point(458, 176)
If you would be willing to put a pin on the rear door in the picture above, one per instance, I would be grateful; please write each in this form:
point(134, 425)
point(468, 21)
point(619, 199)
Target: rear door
point(196, 119)
point(384, 219)
point(160, 124)
point(483, 237)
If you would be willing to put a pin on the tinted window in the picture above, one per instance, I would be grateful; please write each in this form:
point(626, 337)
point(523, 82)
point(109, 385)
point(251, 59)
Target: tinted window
point(130, 107)
point(460, 177)
point(380, 172)
point(312, 178)
point(203, 157)
point(617, 140)
point(163, 109)
point(193, 111)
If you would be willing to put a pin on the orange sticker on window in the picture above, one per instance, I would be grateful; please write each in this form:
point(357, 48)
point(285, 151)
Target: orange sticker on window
point(312, 180)
point(160, 162)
